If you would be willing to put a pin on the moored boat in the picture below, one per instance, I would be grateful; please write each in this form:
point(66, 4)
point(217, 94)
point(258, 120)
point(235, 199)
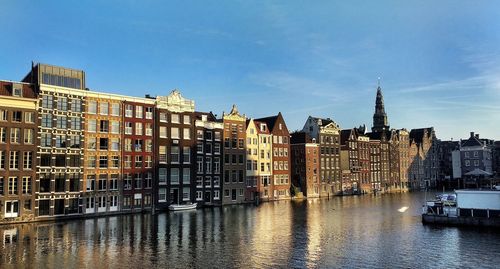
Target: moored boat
point(179, 207)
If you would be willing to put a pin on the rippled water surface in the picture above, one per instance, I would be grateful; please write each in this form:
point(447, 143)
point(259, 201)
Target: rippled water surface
point(343, 232)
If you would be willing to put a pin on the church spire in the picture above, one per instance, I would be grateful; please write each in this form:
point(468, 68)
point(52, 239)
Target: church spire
point(380, 122)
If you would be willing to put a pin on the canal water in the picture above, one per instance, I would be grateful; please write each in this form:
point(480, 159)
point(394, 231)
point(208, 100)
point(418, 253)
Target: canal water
point(342, 232)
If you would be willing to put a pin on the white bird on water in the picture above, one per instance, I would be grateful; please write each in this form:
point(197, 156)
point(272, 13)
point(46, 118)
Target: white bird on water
point(403, 209)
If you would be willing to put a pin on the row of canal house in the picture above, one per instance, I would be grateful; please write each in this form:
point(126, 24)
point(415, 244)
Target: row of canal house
point(67, 151)
point(328, 160)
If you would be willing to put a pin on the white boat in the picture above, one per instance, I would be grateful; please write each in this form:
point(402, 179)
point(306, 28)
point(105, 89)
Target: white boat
point(182, 207)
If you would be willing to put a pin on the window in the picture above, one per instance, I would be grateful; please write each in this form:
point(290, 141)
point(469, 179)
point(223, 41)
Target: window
point(138, 145)
point(217, 194)
point(62, 103)
point(128, 128)
point(103, 108)
point(199, 134)
point(103, 144)
point(186, 192)
point(216, 148)
point(174, 175)
point(12, 187)
point(92, 126)
point(60, 141)
point(175, 118)
point(149, 145)
point(208, 165)
point(2, 161)
point(76, 123)
point(26, 185)
point(47, 101)
point(17, 116)
point(186, 154)
point(208, 148)
point(3, 115)
point(127, 161)
point(29, 117)
point(115, 127)
point(91, 162)
point(92, 107)
point(217, 136)
point(47, 120)
point(174, 154)
point(27, 160)
point(163, 132)
point(76, 105)
point(3, 134)
point(163, 117)
point(199, 195)
point(149, 112)
point(128, 111)
point(115, 162)
point(148, 162)
point(103, 161)
point(187, 119)
point(101, 183)
point(216, 182)
point(199, 163)
point(187, 133)
point(149, 129)
point(147, 180)
point(162, 195)
point(115, 144)
point(12, 209)
point(138, 112)
point(186, 175)
point(61, 122)
point(15, 135)
point(467, 162)
point(216, 165)
point(127, 181)
point(163, 154)
point(162, 175)
point(138, 128)
point(174, 132)
point(138, 162)
point(199, 147)
point(104, 126)
point(91, 143)
point(115, 109)
point(14, 160)
point(199, 182)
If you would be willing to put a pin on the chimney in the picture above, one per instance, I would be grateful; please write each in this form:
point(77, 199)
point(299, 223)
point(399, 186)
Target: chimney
point(471, 134)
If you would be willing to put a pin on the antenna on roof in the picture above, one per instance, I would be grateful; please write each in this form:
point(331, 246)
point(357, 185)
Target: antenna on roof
point(378, 83)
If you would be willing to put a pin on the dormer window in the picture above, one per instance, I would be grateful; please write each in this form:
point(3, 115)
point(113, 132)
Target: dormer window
point(17, 91)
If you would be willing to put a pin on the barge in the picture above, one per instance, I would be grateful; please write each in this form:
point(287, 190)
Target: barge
point(479, 208)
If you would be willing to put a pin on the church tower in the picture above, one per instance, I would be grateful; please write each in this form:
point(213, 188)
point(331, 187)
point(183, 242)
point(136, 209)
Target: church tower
point(380, 122)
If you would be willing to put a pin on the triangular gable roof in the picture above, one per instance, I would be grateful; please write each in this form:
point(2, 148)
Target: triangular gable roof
point(271, 121)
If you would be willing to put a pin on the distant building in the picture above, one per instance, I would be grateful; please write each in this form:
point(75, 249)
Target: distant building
point(208, 186)
point(280, 186)
point(234, 136)
point(424, 167)
point(305, 168)
point(327, 134)
point(18, 149)
point(445, 152)
point(475, 159)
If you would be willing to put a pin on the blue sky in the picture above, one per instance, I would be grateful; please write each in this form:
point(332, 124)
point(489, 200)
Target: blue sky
point(439, 61)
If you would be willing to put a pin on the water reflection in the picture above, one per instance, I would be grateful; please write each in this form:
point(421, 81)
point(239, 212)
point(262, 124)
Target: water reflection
point(364, 231)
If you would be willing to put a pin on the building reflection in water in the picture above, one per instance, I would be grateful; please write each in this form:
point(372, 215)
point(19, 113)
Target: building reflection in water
point(363, 231)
